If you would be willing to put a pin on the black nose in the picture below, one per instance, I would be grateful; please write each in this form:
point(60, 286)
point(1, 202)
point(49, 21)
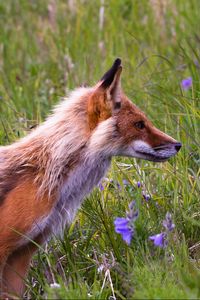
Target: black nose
point(178, 146)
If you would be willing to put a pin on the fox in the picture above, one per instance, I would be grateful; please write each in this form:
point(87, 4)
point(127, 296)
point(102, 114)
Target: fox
point(45, 176)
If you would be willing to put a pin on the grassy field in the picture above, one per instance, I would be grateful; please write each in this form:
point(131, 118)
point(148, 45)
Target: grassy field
point(50, 47)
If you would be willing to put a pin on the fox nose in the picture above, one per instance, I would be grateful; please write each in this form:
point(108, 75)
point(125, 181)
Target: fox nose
point(178, 146)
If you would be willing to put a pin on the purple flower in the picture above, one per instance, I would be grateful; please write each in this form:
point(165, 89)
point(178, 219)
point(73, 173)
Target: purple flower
point(101, 187)
point(104, 182)
point(122, 227)
point(125, 182)
point(147, 197)
point(159, 239)
point(118, 185)
point(125, 226)
point(138, 184)
point(133, 213)
point(167, 223)
point(186, 83)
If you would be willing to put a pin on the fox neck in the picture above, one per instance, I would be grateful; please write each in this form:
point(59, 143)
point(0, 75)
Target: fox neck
point(90, 165)
point(77, 185)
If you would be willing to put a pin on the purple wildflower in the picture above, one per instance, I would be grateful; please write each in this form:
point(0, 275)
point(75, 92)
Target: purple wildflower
point(125, 182)
point(159, 239)
point(167, 223)
point(101, 187)
point(186, 83)
point(104, 182)
point(118, 185)
point(138, 184)
point(122, 227)
point(133, 213)
point(125, 226)
point(146, 197)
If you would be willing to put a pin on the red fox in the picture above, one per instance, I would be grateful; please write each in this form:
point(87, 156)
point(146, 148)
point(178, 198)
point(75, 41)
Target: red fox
point(45, 176)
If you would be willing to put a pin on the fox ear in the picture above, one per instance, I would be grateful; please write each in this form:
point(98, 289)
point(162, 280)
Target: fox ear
point(112, 84)
point(107, 96)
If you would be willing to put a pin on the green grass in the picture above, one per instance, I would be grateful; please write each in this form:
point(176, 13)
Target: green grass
point(48, 47)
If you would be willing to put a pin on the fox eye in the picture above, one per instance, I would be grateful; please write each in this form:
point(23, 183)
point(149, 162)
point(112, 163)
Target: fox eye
point(139, 125)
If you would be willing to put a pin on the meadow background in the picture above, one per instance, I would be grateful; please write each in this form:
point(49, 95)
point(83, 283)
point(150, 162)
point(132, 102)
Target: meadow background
point(50, 47)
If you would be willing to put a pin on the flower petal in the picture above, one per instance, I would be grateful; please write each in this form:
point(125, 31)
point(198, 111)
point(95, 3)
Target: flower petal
point(158, 239)
point(121, 221)
point(186, 83)
point(167, 223)
point(127, 237)
point(121, 230)
point(101, 187)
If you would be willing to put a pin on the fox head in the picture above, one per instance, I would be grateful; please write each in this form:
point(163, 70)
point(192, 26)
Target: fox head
point(128, 130)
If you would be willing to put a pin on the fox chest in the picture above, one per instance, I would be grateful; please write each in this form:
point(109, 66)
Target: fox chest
point(78, 184)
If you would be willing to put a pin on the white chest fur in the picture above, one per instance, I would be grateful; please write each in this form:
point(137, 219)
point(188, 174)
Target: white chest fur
point(79, 183)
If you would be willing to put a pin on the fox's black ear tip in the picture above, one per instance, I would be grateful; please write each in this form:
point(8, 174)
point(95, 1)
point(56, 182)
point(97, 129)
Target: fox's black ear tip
point(118, 62)
point(108, 77)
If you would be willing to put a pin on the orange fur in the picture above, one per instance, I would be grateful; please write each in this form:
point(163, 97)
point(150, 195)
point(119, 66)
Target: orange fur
point(130, 114)
point(98, 109)
point(19, 211)
point(16, 268)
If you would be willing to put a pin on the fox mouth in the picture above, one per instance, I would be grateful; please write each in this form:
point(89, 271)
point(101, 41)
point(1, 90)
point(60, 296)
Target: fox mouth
point(153, 157)
point(157, 154)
